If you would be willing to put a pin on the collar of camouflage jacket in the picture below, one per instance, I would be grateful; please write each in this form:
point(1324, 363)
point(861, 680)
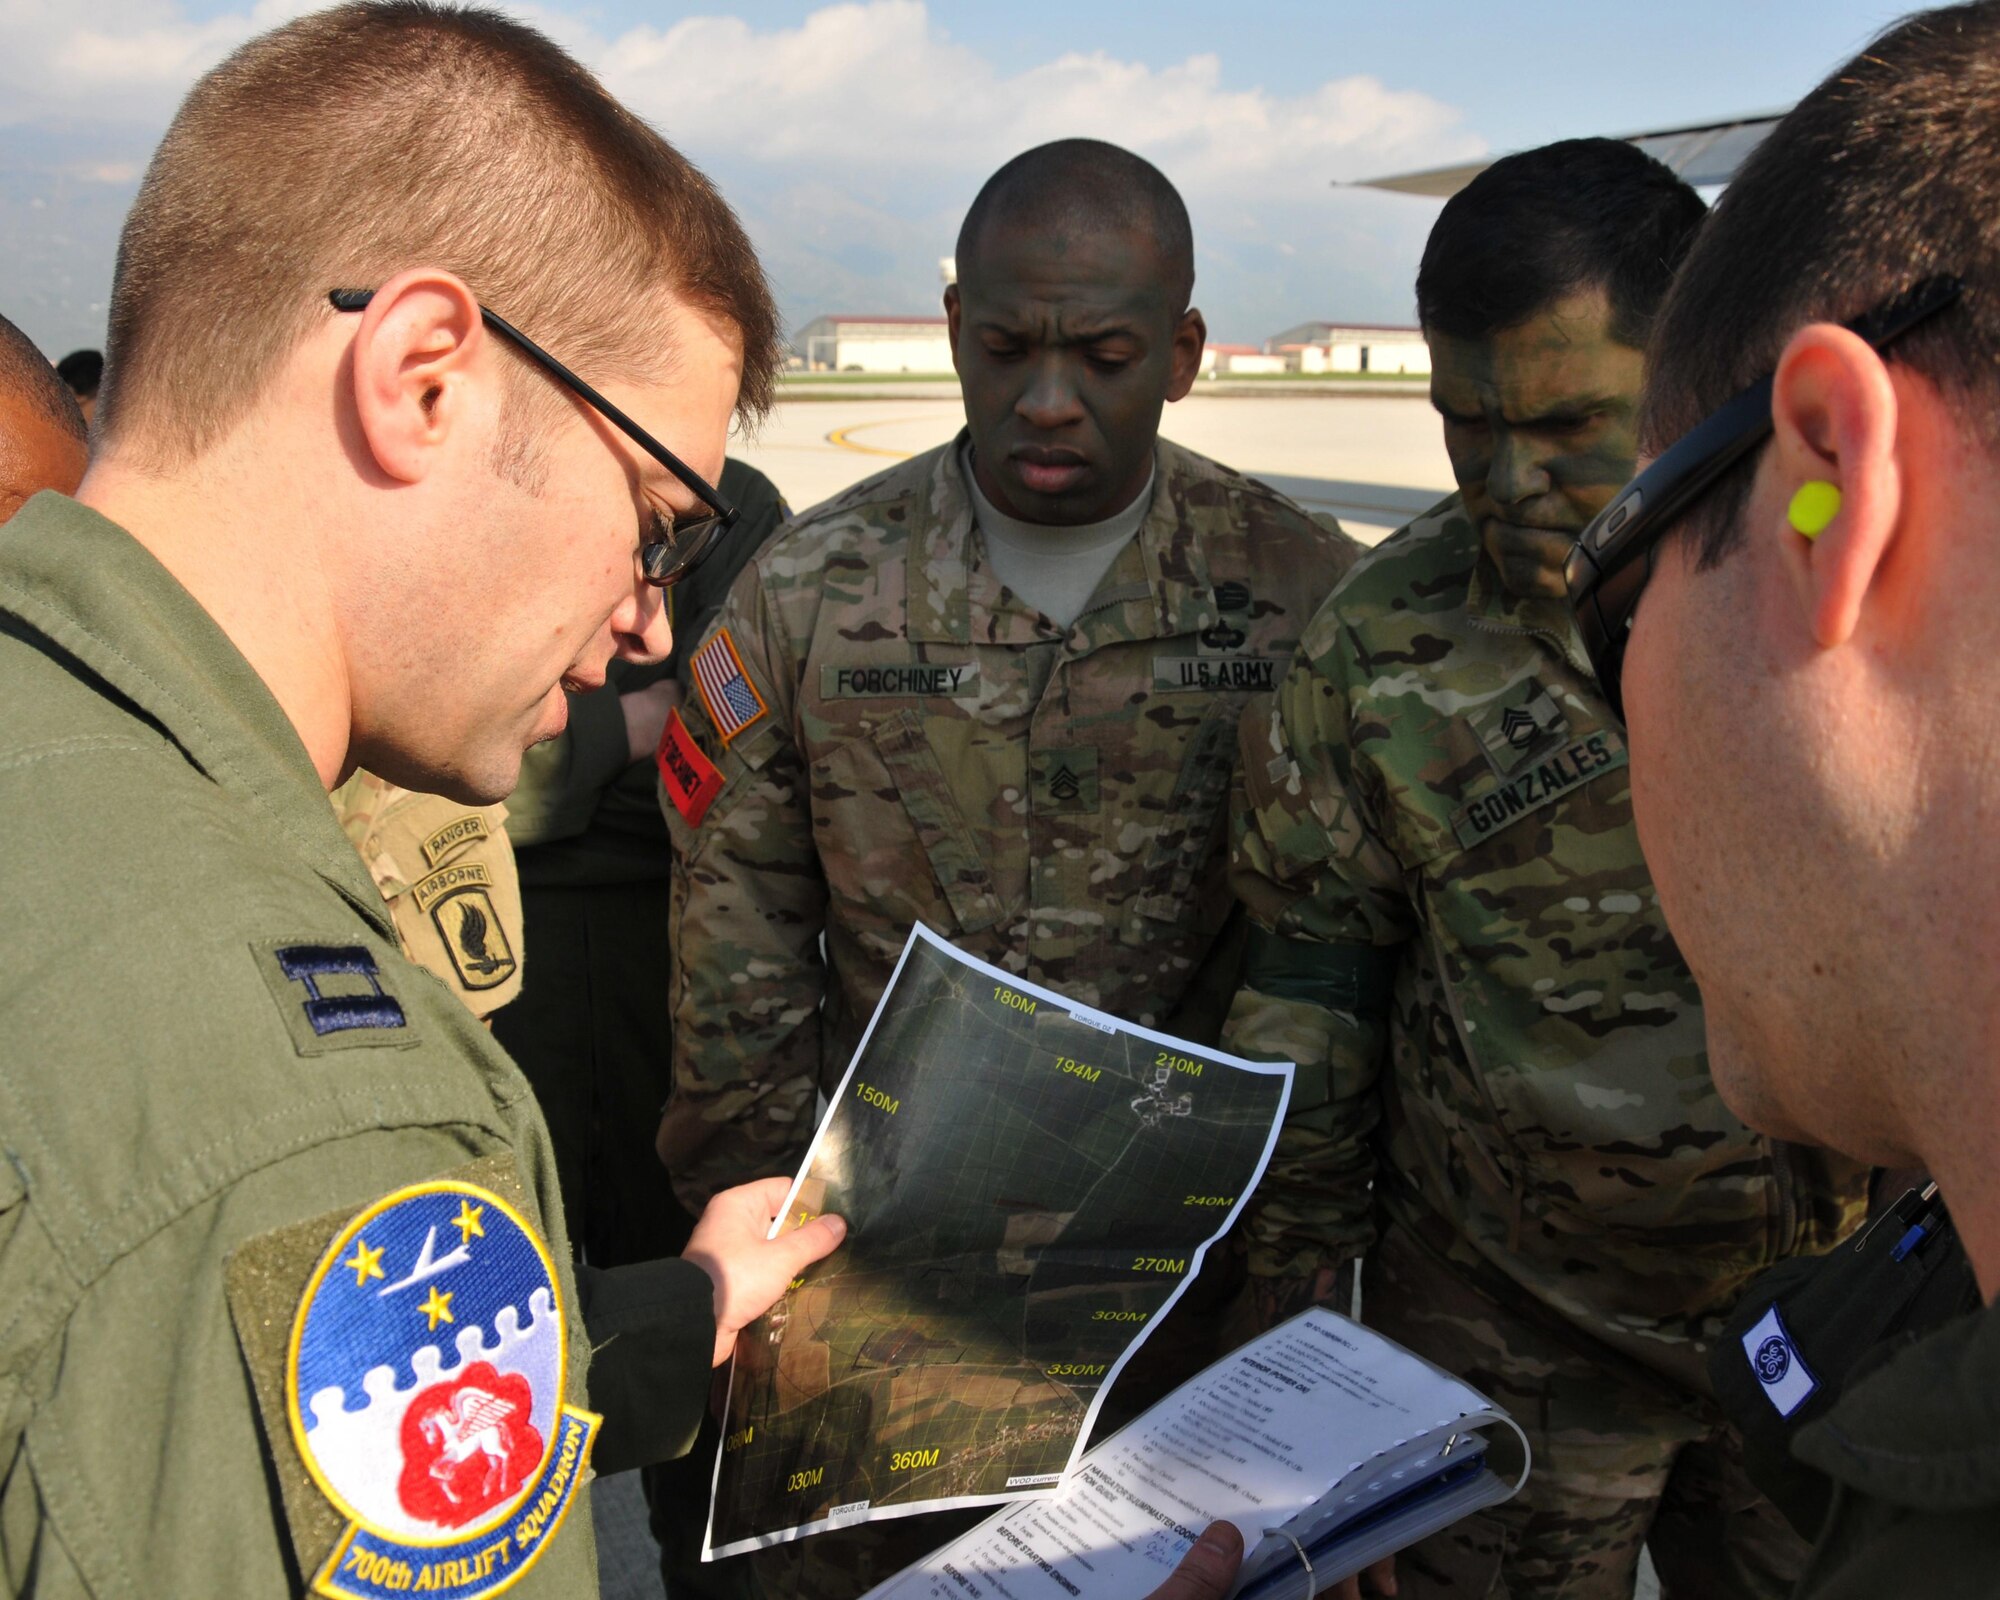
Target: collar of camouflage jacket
point(92, 590)
point(1494, 605)
point(1157, 588)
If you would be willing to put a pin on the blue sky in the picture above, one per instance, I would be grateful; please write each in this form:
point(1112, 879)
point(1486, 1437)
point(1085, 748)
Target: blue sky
point(851, 135)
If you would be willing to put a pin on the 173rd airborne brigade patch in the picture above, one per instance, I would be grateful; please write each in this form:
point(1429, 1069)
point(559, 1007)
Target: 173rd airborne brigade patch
point(423, 1386)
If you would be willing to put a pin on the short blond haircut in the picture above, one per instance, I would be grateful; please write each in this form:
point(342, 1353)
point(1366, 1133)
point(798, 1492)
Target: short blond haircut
point(358, 142)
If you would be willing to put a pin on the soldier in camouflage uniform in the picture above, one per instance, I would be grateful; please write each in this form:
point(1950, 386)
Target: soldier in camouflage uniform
point(446, 871)
point(881, 732)
point(1458, 941)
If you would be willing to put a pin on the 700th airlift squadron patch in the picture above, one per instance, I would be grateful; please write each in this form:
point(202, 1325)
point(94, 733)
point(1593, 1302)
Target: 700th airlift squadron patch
point(424, 1384)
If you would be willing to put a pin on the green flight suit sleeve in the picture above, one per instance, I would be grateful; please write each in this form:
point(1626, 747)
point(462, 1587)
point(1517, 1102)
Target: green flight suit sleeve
point(84, 1513)
point(652, 1349)
point(133, 1460)
point(1329, 914)
point(747, 909)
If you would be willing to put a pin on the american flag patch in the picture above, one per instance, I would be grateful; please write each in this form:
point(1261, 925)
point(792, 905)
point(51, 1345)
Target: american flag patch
point(726, 690)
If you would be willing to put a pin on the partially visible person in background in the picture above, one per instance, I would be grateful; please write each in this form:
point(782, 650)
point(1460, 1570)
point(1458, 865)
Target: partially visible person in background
point(83, 371)
point(447, 873)
point(43, 437)
point(591, 1028)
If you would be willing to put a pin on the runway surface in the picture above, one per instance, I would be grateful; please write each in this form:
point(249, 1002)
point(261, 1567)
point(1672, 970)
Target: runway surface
point(1373, 460)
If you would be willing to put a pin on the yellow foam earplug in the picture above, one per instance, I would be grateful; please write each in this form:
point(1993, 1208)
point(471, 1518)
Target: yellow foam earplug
point(1815, 506)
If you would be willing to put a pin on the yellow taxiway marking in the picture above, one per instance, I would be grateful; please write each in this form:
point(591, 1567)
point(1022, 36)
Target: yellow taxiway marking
point(845, 439)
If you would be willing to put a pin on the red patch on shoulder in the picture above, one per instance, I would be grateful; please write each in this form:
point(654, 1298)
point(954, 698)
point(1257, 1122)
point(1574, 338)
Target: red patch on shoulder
point(692, 780)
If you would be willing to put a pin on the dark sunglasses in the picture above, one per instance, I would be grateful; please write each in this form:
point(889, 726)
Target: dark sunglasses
point(667, 561)
point(1607, 571)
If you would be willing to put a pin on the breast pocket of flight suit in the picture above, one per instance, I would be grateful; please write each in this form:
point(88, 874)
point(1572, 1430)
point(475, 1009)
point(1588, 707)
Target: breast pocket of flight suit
point(893, 841)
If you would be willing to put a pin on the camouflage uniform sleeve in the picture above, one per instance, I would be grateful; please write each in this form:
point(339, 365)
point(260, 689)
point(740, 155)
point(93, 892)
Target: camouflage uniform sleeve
point(748, 905)
point(1329, 915)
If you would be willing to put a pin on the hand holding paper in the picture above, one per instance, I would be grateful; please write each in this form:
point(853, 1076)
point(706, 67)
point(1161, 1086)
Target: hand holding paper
point(732, 1243)
point(1031, 1184)
point(1330, 1447)
point(1208, 1571)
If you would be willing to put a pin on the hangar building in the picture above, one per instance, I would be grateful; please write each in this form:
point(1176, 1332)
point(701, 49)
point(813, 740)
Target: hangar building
point(1351, 347)
point(874, 344)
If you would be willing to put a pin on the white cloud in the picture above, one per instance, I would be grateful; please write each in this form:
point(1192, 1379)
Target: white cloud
point(874, 89)
point(853, 141)
point(125, 60)
point(879, 89)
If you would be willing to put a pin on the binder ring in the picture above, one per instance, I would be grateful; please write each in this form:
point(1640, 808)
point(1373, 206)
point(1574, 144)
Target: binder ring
point(1298, 1548)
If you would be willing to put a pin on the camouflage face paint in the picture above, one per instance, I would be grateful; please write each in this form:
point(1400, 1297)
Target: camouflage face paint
point(1539, 421)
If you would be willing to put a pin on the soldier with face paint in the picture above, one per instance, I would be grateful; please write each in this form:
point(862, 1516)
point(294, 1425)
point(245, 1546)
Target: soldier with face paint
point(994, 689)
point(1458, 940)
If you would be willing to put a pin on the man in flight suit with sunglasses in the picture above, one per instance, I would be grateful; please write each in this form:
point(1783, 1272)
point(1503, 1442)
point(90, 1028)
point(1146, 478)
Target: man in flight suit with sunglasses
point(1458, 941)
point(1794, 605)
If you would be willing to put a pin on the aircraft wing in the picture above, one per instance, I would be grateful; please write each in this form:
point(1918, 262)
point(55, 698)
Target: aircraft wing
point(1704, 153)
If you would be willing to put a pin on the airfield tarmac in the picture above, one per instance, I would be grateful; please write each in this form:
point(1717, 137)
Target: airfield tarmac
point(1373, 459)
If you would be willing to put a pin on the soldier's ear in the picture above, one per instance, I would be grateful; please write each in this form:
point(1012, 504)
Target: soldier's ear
point(1837, 419)
point(420, 368)
point(954, 317)
point(1190, 335)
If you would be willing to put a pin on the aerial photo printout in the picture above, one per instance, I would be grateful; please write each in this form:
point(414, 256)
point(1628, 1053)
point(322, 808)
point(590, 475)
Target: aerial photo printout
point(1028, 1185)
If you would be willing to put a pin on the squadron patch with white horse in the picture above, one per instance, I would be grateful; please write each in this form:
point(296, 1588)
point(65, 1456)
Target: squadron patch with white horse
point(424, 1382)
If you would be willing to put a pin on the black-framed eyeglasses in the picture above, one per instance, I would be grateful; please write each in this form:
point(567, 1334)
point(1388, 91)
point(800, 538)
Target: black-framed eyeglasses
point(1607, 570)
point(665, 561)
